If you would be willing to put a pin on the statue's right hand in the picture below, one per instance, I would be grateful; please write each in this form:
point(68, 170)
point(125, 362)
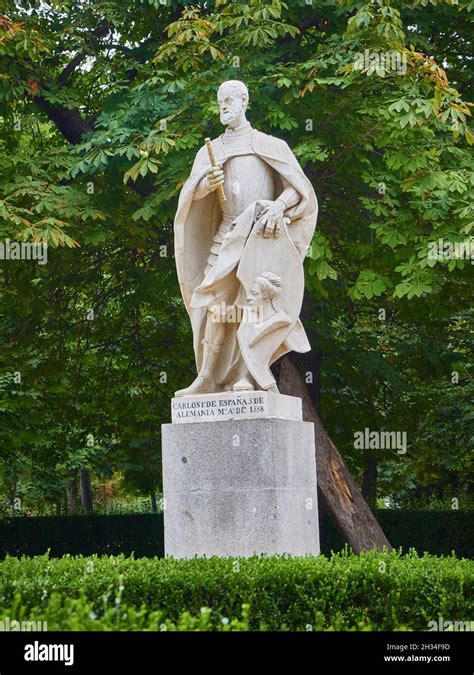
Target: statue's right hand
point(214, 178)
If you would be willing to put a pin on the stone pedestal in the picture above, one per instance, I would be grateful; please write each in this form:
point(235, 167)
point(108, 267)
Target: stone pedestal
point(242, 486)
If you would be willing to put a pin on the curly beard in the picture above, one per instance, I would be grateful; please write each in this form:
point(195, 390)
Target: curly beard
point(230, 116)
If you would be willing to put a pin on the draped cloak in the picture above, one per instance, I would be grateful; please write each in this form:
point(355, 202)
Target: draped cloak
point(197, 222)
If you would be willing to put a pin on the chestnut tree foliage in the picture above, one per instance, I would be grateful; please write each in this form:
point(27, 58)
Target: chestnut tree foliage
point(103, 105)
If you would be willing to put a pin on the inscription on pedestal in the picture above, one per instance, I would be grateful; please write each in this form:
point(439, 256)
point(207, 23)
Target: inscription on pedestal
point(234, 405)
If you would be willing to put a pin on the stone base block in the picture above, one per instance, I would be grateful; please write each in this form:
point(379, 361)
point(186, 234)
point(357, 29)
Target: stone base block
point(240, 488)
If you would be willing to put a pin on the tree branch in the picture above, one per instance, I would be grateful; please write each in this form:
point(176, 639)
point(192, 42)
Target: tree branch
point(69, 122)
point(63, 78)
point(100, 31)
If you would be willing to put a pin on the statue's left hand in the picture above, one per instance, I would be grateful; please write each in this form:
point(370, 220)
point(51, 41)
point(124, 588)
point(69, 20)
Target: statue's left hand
point(270, 220)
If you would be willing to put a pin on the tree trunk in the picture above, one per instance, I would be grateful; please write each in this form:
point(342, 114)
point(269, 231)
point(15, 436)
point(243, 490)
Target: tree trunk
point(86, 491)
point(337, 489)
point(154, 505)
point(72, 491)
point(309, 364)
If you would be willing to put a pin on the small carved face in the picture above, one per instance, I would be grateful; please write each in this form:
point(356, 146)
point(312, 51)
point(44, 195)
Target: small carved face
point(231, 104)
point(255, 297)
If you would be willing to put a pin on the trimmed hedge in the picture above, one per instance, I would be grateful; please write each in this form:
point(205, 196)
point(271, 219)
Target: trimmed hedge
point(436, 532)
point(373, 591)
point(86, 535)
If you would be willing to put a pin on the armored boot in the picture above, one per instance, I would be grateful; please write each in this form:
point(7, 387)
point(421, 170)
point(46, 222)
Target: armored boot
point(205, 382)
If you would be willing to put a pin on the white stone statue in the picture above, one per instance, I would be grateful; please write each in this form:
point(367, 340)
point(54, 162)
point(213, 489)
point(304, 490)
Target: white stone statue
point(244, 251)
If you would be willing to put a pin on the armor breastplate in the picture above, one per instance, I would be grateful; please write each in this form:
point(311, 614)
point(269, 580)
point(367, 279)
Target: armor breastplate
point(247, 178)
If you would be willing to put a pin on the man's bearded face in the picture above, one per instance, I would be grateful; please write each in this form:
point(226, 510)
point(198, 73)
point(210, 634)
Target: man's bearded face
point(231, 104)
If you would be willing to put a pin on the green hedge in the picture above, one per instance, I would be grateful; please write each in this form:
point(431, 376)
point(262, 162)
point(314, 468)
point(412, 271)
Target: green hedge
point(86, 535)
point(437, 532)
point(373, 591)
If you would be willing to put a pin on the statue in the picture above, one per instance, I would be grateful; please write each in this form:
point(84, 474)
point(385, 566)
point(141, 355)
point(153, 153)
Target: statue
point(245, 218)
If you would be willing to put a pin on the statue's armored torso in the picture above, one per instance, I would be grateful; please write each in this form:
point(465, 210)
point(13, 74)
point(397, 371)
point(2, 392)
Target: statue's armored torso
point(247, 178)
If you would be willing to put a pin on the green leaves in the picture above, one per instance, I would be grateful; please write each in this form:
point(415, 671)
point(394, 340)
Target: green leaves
point(94, 237)
point(141, 168)
point(390, 235)
point(416, 282)
point(279, 117)
point(368, 285)
point(323, 270)
point(319, 254)
point(408, 163)
point(311, 151)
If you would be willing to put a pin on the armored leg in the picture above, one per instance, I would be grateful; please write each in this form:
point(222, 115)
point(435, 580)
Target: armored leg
point(205, 382)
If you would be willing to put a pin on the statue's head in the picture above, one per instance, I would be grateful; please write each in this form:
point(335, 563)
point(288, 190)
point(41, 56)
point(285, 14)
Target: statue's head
point(266, 288)
point(233, 98)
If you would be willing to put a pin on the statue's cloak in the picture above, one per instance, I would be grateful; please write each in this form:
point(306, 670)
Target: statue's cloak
point(197, 222)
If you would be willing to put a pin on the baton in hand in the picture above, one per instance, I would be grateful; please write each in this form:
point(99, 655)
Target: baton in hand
point(212, 157)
